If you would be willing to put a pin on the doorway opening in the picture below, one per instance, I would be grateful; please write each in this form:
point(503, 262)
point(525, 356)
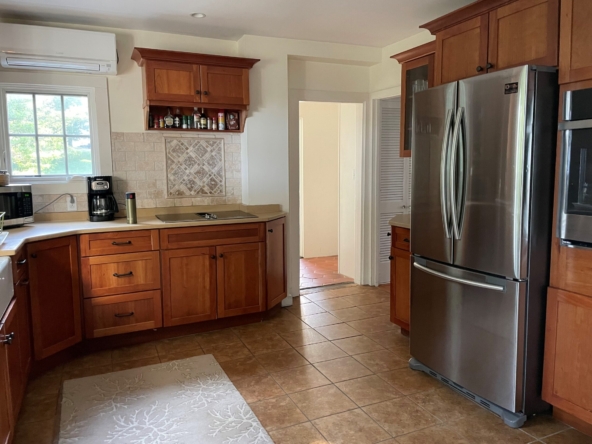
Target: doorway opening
point(331, 140)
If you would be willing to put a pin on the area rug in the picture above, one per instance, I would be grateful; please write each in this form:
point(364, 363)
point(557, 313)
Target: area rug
point(189, 401)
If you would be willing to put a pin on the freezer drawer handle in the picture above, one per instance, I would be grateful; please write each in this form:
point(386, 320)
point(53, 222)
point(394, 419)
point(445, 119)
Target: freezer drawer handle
point(459, 280)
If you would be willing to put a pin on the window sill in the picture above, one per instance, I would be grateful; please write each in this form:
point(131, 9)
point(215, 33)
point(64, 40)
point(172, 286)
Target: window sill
point(74, 185)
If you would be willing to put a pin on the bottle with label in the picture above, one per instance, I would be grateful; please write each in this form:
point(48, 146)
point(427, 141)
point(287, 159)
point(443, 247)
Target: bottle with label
point(150, 121)
point(221, 120)
point(169, 120)
point(214, 124)
point(209, 123)
point(184, 124)
point(203, 121)
point(177, 121)
point(161, 121)
point(196, 118)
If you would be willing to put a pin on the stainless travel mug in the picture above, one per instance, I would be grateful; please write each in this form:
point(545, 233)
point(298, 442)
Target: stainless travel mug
point(130, 205)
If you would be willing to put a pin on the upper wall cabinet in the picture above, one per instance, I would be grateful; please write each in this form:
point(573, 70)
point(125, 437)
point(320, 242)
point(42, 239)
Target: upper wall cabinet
point(490, 35)
point(575, 55)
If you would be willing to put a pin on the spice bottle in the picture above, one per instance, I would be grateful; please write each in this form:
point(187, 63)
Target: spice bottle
point(161, 121)
point(214, 124)
point(150, 121)
point(209, 123)
point(184, 124)
point(221, 120)
point(196, 117)
point(203, 121)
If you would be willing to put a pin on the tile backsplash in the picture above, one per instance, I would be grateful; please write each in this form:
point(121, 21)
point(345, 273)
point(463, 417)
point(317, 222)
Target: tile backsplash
point(212, 174)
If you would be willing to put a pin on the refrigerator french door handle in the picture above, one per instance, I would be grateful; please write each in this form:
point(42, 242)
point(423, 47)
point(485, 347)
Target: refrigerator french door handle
point(458, 280)
point(443, 176)
point(454, 210)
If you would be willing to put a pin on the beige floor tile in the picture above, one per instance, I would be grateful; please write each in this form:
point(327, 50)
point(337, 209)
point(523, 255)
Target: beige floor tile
point(180, 354)
point(301, 378)
point(409, 381)
point(300, 300)
point(35, 432)
point(257, 388)
point(357, 345)
point(379, 323)
point(38, 408)
point(381, 361)
point(134, 353)
point(570, 436)
point(368, 390)
point(254, 331)
point(368, 298)
point(320, 320)
point(167, 346)
point(90, 360)
point(445, 404)
point(323, 351)
point(261, 345)
point(350, 427)
point(287, 325)
point(390, 338)
point(402, 352)
point(543, 425)
point(330, 294)
point(87, 371)
point(380, 309)
point(487, 428)
point(242, 368)
point(322, 401)
point(303, 337)
point(306, 309)
point(217, 337)
point(350, 314)
point(299, 434)
point(337, 331)
point(400, 416)
point(281, 360)
point(336, 303)
point(228, 352)
point(342, 369)
point(277, 413)
point(439, 434)
point(137, 363)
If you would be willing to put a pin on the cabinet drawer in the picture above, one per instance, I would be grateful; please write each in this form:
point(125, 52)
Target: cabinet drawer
point(401, 238)
point(211, 236)
point(120, 273)
point(99, 244)
point(19, 264)
point(124, 313)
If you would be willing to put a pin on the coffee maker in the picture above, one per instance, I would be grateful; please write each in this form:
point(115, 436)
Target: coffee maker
point(102, 205)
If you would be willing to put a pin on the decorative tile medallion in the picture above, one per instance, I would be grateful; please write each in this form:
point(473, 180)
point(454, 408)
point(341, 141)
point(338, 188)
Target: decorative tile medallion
point(195, 167)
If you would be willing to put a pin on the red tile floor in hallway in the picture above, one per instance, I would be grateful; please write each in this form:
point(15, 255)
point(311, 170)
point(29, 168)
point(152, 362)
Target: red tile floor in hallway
point(320, 271)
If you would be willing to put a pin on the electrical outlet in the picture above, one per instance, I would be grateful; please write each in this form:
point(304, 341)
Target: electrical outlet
point(71, 203)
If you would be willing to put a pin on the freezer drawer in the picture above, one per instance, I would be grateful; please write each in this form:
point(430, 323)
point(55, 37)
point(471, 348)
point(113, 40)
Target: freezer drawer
point(469, 327)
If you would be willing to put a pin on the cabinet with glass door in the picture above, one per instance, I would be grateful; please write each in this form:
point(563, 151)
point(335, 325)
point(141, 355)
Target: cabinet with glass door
point(417, 74)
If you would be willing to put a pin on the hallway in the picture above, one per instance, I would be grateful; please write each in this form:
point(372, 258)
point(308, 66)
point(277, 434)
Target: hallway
point(321, 271)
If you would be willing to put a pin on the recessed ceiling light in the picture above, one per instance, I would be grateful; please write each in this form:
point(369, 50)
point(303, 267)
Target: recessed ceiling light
point(198, 15)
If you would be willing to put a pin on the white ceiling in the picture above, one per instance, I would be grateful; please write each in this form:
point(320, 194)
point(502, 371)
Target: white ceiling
point(369, 22)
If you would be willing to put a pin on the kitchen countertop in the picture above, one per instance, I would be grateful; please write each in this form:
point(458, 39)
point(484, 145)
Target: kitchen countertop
point(48, 230)
point(401, 221)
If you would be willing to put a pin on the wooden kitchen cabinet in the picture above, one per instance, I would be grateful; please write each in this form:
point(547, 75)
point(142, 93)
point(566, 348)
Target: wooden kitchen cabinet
point(221, 84)
point(575, 53)
point(567, 379)
point(241, 279)
point(23, 306)
point(55, 295)
point(6, 419)
point(400, 278)
point(189, 285)
point(173, 82)
point(276, 262)
point(11, 334)
point(417, 74)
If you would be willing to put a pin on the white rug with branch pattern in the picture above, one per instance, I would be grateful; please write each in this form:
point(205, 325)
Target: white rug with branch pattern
point(180, 402)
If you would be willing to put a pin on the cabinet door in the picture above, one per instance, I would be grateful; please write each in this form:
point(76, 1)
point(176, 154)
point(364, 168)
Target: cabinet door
point(524, 32)
point(276, 262)
point(6, 430)
point(189, 285)
point(224, 85)
point(400, 294)
point(461, 50)
point(575, 54)
point(240, 279)
point(21, 293)
point(567, 379)
point(55, 295)
point(174, 82)
point(416, 75)
point(11, 337)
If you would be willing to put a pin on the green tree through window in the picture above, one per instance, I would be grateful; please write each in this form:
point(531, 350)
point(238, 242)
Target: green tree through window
point(49, 134)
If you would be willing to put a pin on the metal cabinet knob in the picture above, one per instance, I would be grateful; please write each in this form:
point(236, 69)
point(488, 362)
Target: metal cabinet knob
point(489, 65)
point(7, 339)
point(205, 93)
point(197, 91)
point(479, 68)
point(21, 262)
point(213, 256)
point(391, 258)
point(34, 256)
point(270, 230)
point(221, 255)
point(389, 234)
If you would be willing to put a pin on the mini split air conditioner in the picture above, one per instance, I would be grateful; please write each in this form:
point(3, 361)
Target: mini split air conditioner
point(57, 49)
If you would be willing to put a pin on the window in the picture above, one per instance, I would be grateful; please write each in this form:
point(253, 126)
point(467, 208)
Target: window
point(49, 135)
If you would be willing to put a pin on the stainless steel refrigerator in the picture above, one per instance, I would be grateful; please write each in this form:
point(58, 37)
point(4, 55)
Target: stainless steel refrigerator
point(481, 216)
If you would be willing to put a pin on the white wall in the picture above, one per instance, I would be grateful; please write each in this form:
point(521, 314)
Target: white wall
point(320, 178)
point(351, 118)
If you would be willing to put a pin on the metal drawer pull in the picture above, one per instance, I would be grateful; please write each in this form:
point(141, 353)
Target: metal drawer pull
point(21, 262)
point(458, 280)
point(406, 240)
point(7, 339)
point(117, 275)
point(124, 315)
point(122, 243)
point(25, 282)
point(270, 230)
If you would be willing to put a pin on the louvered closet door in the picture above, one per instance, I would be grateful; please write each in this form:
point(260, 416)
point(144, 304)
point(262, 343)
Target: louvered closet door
point(394, 180)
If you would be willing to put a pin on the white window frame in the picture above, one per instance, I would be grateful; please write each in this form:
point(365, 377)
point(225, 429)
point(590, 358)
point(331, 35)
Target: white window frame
point(100, 130)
